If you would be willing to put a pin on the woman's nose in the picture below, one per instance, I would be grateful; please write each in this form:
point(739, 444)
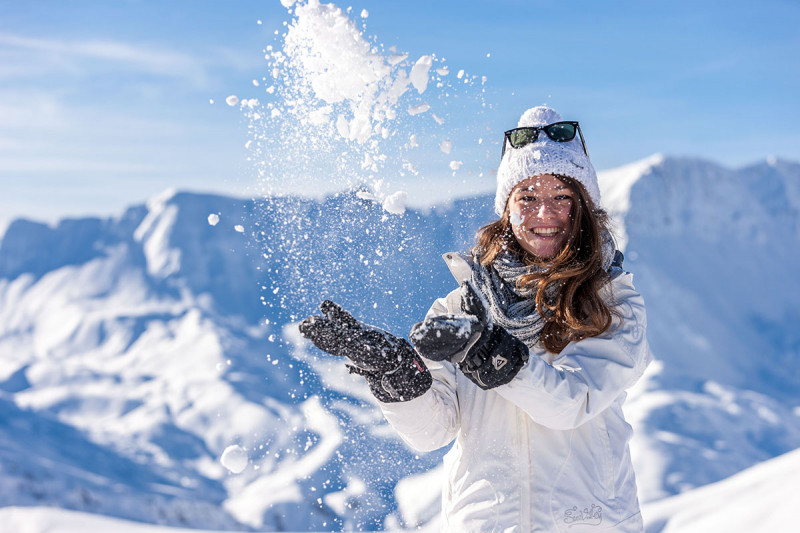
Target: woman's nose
point(545, 207)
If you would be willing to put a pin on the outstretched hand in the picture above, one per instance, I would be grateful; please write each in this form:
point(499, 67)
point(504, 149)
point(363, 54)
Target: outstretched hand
point(339, 333)
point(389, 363)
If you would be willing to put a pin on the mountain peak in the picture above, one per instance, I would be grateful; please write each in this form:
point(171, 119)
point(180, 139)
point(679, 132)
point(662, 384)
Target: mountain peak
point(669, 194)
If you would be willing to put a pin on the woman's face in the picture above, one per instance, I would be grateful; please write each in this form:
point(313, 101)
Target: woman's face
point(539, 209)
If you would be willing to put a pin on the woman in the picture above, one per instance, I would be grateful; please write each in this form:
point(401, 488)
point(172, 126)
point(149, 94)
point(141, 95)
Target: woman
point(526, 364)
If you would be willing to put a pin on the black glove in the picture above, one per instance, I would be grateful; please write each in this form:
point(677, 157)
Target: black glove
point(393, 370)
point(487, 354)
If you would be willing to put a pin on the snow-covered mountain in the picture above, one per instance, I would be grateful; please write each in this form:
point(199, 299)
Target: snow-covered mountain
point(763, 498)
point(136, 349)
point(716, 254)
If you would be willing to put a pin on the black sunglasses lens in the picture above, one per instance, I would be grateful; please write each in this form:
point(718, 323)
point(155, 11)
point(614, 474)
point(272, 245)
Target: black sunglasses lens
point(521, 137)
point(561, 131)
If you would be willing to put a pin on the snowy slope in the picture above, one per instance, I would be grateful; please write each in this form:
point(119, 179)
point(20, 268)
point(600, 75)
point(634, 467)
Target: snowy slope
point(55, 520)
point(761, 499)
point(138, 348)
point(756, 500)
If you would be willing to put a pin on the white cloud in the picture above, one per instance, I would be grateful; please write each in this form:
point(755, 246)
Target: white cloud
point(38, 55)
point(37, 114)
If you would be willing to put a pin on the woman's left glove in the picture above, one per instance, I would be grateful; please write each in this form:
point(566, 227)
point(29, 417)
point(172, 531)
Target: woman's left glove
point(393, 370)
point(486, 353)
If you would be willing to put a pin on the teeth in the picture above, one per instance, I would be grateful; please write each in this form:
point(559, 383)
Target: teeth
point(545, 231)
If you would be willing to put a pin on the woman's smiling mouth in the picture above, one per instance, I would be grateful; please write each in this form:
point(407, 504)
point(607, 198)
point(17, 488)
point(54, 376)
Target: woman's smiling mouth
point(545, 232)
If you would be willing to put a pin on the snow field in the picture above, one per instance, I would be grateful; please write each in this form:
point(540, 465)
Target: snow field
point(134, 379)
point(761, 499)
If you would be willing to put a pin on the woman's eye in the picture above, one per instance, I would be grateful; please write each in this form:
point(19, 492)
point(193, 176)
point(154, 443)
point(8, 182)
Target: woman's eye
point(528, 199)
point(563, 197)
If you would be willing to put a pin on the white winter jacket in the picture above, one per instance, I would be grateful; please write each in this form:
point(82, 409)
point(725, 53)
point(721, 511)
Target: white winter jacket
point(548, 452)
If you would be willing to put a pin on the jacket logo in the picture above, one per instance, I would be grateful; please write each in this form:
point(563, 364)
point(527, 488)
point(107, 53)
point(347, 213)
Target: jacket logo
point(589, 516)
point(498, 361)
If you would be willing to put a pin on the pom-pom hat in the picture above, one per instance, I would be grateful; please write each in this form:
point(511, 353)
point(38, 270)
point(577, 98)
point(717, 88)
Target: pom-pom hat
point(544, 156)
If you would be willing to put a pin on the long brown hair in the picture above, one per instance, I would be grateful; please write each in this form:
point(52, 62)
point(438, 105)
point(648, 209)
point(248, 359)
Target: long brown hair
point(571, 306)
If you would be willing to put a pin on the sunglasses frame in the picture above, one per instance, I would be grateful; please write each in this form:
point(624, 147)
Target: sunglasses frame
point(507, 135)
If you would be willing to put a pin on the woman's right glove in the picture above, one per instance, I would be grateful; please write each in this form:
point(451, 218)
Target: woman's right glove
point(487, 354)
point(394, 371)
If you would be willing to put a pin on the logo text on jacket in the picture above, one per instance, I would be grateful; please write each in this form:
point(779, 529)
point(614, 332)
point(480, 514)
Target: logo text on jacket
point(589, 516)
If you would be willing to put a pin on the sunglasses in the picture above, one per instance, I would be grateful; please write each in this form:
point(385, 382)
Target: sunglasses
point(559, 131)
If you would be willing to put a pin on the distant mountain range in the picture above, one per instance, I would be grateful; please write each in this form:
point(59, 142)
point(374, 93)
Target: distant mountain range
point(137, 348)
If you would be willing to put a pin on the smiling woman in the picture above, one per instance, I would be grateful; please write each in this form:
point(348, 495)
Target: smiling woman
point(526, 364)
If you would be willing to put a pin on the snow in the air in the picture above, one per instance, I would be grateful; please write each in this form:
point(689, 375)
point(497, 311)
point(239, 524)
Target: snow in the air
point(213, 219)
point(417, 109)
point(234, 458)
point(516, 218)
point(364, 195)
point(419, 73)
point(396, 203)
point(328, 52)
point(232, 100)
point(338, 106)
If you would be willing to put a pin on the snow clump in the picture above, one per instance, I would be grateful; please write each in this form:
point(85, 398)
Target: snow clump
point(419, 73)
point(338, 101)
point(333, 64)
point(364, 195)
point(234, 458)
point(417, 109)
point(396, 203)
point(213, 219)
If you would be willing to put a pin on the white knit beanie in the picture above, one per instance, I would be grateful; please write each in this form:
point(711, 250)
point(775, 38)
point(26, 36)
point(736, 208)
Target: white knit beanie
point(545, 156)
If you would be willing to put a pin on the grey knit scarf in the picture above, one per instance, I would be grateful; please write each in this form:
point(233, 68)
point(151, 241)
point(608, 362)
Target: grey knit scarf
point(511, 308)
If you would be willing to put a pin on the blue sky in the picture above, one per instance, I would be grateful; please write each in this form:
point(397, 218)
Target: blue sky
point(103, 104)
